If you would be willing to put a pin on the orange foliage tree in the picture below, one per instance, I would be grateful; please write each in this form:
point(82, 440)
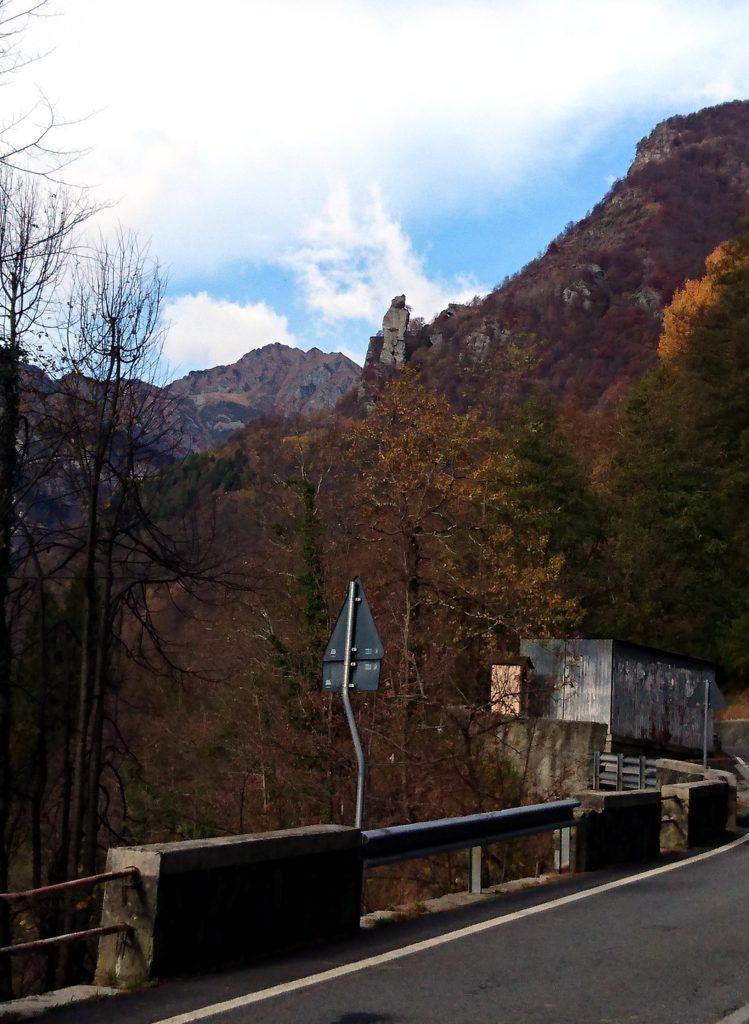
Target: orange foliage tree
point(690, 303)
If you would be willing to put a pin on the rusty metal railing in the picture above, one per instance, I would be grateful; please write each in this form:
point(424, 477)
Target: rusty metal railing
point(47, 891)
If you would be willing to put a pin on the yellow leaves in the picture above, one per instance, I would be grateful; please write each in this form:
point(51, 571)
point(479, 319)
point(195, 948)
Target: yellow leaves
point(442, 495)
point(690, 304)
point(680, 318)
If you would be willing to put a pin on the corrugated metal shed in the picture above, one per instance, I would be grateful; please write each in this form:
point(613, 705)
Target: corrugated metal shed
point(645, 696)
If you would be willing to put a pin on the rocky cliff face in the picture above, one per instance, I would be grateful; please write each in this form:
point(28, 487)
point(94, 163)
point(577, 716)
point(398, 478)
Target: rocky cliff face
point(388, 347)
point(584, 318)
point(394, 328)
point(272, 379)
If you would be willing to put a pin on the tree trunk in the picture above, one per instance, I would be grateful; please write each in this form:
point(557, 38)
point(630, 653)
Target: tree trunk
point(9, 425)
point(40, 776)
point(91, 818)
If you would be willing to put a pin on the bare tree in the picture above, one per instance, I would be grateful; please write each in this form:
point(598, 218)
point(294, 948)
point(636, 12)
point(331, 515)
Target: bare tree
point(28, 137)
point(37, 227)
point(121, 431)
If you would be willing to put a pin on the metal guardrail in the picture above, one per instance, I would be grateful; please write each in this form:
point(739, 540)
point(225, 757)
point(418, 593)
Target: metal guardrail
point(47, 891)
point(424, 838)
point(616, 771)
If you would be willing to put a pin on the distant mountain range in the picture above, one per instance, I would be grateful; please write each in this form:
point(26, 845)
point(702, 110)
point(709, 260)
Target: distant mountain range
point(273, 379)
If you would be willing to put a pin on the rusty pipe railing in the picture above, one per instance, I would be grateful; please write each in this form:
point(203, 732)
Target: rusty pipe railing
point(43, 891)
point(35, 945)
point(46, 891)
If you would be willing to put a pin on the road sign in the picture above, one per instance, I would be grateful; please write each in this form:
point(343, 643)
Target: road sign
point(366, 648)
point(352, 662)
point(364, 675)
point(367, 643)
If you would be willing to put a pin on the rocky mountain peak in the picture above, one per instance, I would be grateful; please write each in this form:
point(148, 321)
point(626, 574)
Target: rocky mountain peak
point(394, 328)
point(388, 347)
point(659, 145)
point(274, 379)
point(583, 319)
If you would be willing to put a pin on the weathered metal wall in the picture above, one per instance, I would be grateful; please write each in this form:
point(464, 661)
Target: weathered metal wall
point(645, 696)
point(658, 698)
point(576, 674)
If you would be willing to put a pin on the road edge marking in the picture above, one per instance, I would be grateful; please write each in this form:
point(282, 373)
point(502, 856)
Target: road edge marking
point(740, 1016)
point(343, 970)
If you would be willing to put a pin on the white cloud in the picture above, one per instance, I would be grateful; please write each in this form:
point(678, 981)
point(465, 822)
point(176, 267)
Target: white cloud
point(203, 331)
point(221, 127)
point(352, 262)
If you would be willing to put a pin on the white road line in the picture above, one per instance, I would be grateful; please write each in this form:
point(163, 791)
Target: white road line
point(740, 1016)
point(440, 940)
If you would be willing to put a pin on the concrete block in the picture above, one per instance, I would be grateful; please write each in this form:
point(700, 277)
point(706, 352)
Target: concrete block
point(552, 759)
point(733, 733)
point(203, 904)
point(670, 772)
point(616, 828)
point(715, 774)
point(693, 814)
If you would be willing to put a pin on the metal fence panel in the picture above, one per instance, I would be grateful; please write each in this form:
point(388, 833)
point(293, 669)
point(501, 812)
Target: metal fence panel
point(615, 771)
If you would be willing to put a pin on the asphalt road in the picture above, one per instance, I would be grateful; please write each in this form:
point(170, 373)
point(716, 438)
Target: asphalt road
point(662, 947)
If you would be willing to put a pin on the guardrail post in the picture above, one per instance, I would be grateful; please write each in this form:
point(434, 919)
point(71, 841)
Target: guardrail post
point(642, 771)
point(562, 841)
point(596, 769)
point(474, 870)
point(620, 771)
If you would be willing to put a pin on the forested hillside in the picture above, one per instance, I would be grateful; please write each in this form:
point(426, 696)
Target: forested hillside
point(676, 488)
point(468, 535)
point(583, 319)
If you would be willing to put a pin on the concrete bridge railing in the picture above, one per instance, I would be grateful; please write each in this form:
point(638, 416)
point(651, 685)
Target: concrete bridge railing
point(199, 905)
point(204, 904)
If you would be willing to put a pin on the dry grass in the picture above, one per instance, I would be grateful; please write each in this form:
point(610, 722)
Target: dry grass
point(738, 706)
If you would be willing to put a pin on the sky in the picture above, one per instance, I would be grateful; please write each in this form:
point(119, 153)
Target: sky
point(297, 163)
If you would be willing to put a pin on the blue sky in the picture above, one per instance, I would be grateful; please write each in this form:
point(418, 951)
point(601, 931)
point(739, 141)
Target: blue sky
point(489, 240)
point(296, 163)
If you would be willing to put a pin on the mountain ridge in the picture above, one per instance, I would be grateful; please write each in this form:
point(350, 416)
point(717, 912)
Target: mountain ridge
point(272, 379)
point(583, 318)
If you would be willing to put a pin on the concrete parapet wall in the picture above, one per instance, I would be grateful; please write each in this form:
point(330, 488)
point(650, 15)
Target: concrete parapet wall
point(733, 733)
point(693, 814)
point(202, 904)
point(670, 772)
point(552, 759)
point(616, 828)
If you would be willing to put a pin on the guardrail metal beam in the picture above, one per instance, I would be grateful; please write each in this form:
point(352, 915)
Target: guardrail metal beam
point(424, 838)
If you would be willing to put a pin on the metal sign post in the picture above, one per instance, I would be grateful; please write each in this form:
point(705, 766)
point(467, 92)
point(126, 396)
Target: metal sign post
point(712, 699)
point(350, 649)
point(352, 662)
